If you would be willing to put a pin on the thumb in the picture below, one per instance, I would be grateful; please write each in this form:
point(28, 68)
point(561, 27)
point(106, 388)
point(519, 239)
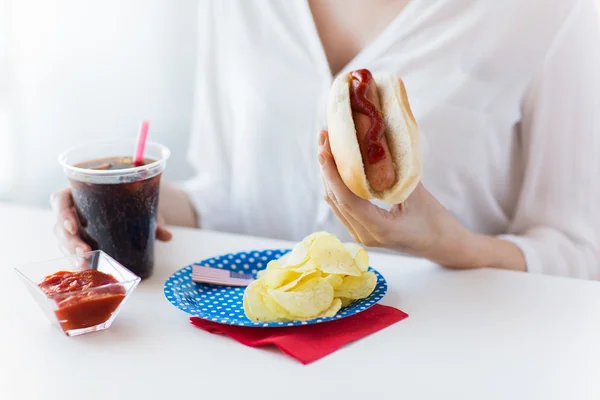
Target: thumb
point(162, 233)
point(419, 192)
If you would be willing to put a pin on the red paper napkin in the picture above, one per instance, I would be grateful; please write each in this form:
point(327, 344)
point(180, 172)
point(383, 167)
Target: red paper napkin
point(308, 343)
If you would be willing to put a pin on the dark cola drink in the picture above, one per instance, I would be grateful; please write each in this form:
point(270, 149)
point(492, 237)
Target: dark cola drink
point(117, 204)
point(119, 218)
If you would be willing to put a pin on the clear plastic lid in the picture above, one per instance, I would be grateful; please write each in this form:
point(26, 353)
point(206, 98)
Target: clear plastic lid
point(117, 148)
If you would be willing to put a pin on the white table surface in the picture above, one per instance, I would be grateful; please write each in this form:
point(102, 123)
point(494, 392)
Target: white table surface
point(480, 334)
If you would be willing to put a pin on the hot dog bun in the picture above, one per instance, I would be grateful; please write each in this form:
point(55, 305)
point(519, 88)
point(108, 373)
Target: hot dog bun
point(401, 132)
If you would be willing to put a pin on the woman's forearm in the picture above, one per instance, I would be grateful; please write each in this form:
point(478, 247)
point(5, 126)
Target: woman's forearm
point(176, 208)
point(477, 250)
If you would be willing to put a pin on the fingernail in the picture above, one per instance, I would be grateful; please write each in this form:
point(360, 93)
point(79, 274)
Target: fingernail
point(78, 250)
point(69, 226)
point(321, 139)
point(321, 160)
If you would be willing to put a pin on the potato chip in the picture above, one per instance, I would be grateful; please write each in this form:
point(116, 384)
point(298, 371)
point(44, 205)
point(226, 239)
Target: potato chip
point(357, 287)
point(276, 276)
point(300, 280)
point(314, 280)
point(254, 304)
point(263, 272)
point(332, 310)
point(297, 257)
point(283, 259)
point(308, 266)
point(310, 238)
point(346, 301)
point(306, 300)
point(360, 256)
point(246, 305)
point(276, 309)
point(334, 280)
point(331, 256)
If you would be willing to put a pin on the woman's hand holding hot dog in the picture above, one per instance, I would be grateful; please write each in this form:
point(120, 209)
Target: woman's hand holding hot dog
point(420, 226)
point(372, 151)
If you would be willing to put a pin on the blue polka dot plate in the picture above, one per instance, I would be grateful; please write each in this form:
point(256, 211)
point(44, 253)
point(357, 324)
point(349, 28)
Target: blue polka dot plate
point(223, 304)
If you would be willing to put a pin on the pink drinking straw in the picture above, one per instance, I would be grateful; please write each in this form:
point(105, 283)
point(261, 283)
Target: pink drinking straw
point(141, 144)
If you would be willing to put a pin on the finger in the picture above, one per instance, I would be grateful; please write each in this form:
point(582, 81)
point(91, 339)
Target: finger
point(359, 232)
point(163, 234)
point(64, 251)
point(338, 214)
point(330, 199)
point(63, 207)
point(419, 199)
point(70, 244)
point(63, 199)
point(349, 203)
point(369, 222)
point(349, 226)
point(69, 220)
point(66, 228)
point(71, 249)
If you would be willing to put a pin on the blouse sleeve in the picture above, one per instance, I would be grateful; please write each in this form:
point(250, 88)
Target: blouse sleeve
point(208, 152)
point(557, 222)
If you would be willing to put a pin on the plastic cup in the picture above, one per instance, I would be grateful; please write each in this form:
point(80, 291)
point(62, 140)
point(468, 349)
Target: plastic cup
point(117, 209)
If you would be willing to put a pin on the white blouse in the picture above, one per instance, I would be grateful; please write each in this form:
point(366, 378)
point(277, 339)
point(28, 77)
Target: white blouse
point(505, 93)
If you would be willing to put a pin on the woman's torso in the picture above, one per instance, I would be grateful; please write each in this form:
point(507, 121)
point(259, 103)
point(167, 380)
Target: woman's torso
point(466, 64)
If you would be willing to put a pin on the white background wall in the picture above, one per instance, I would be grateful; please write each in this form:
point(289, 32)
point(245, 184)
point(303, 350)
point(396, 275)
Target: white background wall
point(75, 70)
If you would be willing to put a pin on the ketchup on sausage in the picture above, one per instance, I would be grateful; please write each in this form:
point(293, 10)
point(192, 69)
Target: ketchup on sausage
point(370, 130)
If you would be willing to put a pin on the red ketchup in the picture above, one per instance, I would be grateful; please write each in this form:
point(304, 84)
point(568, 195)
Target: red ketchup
point(83, 308)
point(359, 102)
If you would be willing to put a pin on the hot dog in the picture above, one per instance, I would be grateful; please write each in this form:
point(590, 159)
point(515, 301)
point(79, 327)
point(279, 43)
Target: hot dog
point(373, 135)
point(370, 130)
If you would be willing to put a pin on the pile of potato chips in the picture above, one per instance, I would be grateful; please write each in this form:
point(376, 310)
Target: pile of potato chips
point(317, 278)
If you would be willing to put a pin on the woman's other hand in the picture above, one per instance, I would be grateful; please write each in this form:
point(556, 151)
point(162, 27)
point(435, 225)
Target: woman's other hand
point(66, 227)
